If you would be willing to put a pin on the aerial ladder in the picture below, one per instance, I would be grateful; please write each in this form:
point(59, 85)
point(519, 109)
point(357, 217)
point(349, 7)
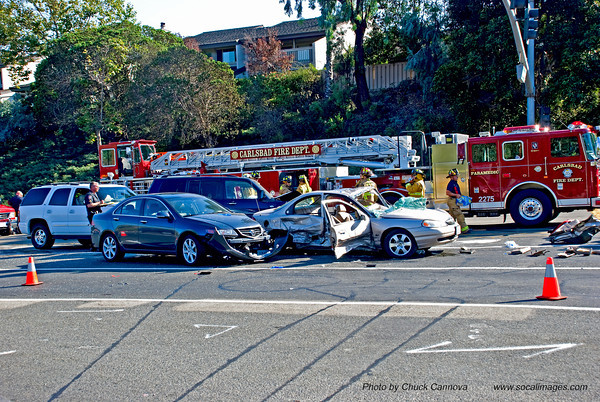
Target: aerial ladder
point(375, 152)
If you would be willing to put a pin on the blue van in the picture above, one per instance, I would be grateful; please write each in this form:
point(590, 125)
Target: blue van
point(239, 194)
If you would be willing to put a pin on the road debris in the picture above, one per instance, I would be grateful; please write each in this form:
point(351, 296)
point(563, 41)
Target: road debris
point(465, 250)
point(522, 250)
point(537, 253)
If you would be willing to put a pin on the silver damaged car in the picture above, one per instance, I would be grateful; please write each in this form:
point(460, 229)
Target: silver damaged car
point(352, 218)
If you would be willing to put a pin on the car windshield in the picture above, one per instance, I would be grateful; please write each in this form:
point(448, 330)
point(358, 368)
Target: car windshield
point(190, 206)
point(590, 143)
point(113, 195)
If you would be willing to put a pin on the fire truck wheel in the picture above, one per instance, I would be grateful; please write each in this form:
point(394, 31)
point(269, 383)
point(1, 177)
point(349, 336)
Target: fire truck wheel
point(398, 243)
point(531, 207)
point(41, 238)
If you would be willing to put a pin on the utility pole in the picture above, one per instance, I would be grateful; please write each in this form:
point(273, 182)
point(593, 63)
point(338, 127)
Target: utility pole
point(525, 68)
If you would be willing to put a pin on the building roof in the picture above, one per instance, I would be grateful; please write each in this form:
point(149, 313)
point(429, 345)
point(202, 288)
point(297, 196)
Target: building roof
point(304, 27)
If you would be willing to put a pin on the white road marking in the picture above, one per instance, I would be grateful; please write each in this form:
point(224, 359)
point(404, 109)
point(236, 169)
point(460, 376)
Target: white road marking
point(207, 336)
point(323, 303)
point(545, 348)
point(91, 311)
point(335, 266)
point(8, 353)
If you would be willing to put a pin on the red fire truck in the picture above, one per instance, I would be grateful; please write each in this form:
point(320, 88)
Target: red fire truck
point(531, 173)
point(324, 162)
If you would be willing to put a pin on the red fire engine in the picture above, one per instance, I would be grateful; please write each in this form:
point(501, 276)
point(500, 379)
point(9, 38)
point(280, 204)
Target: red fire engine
point(530, 173)
point(324, 162)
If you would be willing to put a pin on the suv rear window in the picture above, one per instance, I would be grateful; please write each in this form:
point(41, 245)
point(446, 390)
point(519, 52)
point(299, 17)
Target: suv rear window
point(35, 196)
point(60, 196)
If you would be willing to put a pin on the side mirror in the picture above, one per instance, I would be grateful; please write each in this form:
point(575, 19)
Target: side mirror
point(163, 214)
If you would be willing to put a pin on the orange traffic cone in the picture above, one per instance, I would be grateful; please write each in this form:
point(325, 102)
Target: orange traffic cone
point(32, 278)
point(551, 289)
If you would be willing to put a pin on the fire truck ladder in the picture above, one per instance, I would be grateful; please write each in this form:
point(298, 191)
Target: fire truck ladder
point(376, 152)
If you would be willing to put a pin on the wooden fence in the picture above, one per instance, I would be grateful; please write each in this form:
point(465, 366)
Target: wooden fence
point(380, 76)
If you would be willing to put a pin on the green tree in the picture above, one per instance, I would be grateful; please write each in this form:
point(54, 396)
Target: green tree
point(27, 26)
point(360, 14)
point(568, 61)
point(80, 86)
point(478, 81)
point(183, 98)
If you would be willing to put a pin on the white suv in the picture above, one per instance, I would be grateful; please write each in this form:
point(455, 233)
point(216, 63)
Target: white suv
point(58, 211)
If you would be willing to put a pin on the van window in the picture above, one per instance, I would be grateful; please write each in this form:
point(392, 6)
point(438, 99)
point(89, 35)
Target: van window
point(484, 153)
point(564, 146)
point(35, 196)
point(240, 190)
point(208, 187)
point(171, 186)
point(60, 197)
point(512, 150)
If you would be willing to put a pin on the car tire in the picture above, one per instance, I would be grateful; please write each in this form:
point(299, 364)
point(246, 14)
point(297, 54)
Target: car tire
point(191, 251)
point(111, 249)
point(41, 238)
point(530, 208)
point(399, 244)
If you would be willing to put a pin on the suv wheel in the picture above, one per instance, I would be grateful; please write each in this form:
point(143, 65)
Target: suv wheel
point(111, 250)
point(41, 237)
point(191, 250)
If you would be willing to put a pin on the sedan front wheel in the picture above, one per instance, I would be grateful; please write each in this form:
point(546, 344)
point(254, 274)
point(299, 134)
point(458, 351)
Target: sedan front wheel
point(191, 250)
point(399, 244)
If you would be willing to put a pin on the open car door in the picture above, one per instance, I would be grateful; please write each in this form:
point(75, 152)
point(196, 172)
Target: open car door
point(349, 226)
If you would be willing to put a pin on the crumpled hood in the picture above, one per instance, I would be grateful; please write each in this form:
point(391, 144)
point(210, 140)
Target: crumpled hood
point(232, 220)
point(406, 213)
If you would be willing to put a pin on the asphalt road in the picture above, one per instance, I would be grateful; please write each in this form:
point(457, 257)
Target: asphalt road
point(448, 325)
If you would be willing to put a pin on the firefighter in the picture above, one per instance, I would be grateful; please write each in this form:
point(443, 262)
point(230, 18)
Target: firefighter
point(303, 187)
point(365, 181)
point(453, 193)
point(286, 185)
point(416, 187)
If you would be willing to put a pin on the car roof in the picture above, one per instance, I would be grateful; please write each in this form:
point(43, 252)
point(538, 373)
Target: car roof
point(86, 185)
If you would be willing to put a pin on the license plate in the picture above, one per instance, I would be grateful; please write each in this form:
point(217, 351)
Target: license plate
point(3, 224)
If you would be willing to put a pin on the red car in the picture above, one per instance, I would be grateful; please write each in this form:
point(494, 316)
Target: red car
point(8, 220)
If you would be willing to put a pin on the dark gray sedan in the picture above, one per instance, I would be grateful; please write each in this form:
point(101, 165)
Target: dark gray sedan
point(187, 225)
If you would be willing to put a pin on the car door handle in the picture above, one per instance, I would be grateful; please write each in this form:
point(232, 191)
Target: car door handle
point(71, 211)
point(144, 222)
point(232, 203)
point(116, 219)
point(49, 211)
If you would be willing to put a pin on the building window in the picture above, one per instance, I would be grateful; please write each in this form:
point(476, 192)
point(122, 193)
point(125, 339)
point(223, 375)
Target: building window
point(226, 56)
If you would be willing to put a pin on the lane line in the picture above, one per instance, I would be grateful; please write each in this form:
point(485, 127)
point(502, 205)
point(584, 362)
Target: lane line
point(321, 267)
point(318, 303)
point(91, 311)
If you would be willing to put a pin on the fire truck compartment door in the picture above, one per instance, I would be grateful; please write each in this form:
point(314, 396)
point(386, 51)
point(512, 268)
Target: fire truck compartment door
point(351, 233)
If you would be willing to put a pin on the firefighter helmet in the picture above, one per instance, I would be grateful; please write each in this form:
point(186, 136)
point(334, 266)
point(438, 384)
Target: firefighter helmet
point(303, 178)
point(366, 172)
point(255, 175)
point(418, 171)
point(452, 172)
point(287, 179)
